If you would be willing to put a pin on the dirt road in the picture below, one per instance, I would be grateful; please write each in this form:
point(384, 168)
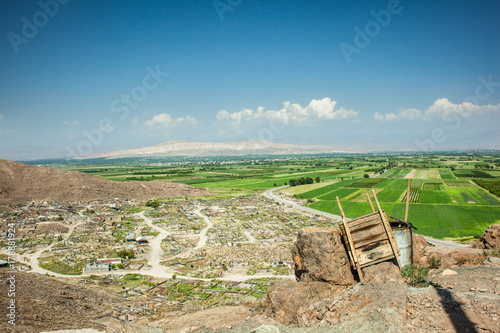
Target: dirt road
point(156, 253)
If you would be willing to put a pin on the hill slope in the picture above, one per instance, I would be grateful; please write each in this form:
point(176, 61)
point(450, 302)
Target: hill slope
point(188, 148)
point(20, 183)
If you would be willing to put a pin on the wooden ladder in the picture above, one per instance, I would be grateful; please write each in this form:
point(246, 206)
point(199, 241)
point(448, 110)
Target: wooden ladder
point(369, 238)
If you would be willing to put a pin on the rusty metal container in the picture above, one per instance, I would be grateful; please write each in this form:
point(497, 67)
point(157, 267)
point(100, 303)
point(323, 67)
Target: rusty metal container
point(404, 237)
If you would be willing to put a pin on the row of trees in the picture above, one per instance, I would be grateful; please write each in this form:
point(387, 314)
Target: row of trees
point(483, 166)
point(303, 181)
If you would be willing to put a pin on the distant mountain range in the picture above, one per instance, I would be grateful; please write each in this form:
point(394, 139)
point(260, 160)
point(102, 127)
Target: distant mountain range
point(202, 149)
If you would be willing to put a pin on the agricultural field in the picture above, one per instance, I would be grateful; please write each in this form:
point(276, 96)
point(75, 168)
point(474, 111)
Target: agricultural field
point(452, 195)
point(442, 208)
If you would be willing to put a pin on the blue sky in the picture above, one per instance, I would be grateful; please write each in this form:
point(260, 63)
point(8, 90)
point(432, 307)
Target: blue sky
point(357, 75)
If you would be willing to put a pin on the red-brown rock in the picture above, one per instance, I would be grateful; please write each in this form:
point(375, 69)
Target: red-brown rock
point(383, 272)
point(285, 298)
point(491, 237)
point(320, 255)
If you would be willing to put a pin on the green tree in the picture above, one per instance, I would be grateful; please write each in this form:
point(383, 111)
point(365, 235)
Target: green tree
point(366, 175)
point(126, 253)
point(317, 179)
point(153, 203)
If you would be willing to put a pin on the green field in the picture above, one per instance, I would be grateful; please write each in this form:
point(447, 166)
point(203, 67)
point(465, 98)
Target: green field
point(452, 195)
point(439, 221)
point(446, 174)
point(366, 183)
point(472, 174)
point(341, 193)
point(449, 208)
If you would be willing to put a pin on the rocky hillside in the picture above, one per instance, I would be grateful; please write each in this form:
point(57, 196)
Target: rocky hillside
point(43, 303)
point(20, 183)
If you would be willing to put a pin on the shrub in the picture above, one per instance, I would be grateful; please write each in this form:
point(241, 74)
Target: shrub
point(415, 275)
point(153, 203)
point(126, 253)
point(434, 262)
point(464, 260)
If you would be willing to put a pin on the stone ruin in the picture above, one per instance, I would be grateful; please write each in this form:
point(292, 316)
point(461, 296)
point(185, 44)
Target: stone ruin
point(327, 294)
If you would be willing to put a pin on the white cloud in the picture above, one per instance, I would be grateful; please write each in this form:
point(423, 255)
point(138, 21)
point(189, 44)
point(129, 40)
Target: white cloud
point(440, 109)
point(291, 114)
point(135, 121)
point(164, 120)
point(71, 123)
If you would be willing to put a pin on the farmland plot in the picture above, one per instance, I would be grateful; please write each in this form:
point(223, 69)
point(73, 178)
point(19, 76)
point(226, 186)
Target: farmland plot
point(323, 190)
point(341, 193)
point(414, 195)
point(446, 174)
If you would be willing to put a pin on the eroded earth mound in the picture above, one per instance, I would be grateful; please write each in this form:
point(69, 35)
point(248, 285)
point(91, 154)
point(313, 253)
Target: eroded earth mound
point(20, 183)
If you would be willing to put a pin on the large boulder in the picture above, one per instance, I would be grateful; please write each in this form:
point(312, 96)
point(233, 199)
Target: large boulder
point(452, 255)
point(320, 255)
point(383, 272)
point(285, 298)
point(491, 237)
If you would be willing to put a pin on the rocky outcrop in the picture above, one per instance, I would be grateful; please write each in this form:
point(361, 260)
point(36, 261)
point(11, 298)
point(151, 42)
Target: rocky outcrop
point(326, 294)
point(451, 256)
point(285, 298)
point(372, 307)
point(367, 307)
point(491, 237)
point(319, 255)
